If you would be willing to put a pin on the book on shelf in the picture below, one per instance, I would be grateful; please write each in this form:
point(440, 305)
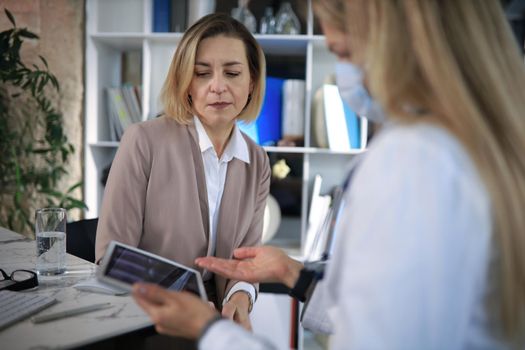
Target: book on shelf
point(352, 125)
point(131, 67)
point(269, 120)
point(266, 130)
point(318, 123)
point(118, 113)
point(179, 15)
point(324, 241)
point(334, 124)
point(363, 129)
point(319, 206)
point(282, 113)
point(123, 108)
point(293, 109)
point(137, 89)
point(115, 130)
point(322, 219)
point(161, 16)
point(132, 103)
point(170, 16)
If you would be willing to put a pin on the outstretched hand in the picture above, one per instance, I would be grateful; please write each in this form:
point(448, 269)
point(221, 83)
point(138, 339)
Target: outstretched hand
point(255, 264)
point(174, 313)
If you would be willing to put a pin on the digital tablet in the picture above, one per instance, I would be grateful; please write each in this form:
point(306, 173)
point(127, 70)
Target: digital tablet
point(124, 265)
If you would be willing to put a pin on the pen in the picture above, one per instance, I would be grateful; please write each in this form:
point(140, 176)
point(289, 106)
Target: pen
point(70, 312)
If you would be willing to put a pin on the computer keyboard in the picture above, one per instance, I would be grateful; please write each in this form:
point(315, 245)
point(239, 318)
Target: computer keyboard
point(15, 306)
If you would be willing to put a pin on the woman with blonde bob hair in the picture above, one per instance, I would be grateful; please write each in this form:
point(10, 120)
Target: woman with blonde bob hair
point(190, 183)
point(174, 95)
point(429, 246)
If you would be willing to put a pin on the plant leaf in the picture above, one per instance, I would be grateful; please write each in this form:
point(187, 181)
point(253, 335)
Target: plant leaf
point(75, 203)
point(24, 33)
point(74, 187)
point(10, 16)
point(43, 60)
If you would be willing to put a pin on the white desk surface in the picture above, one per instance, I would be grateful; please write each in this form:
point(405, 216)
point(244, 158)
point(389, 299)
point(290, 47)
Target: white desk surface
point(17, 252)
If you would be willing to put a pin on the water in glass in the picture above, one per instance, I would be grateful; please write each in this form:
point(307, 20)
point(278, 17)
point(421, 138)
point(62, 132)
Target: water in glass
point(51, 253)
point(50, 232)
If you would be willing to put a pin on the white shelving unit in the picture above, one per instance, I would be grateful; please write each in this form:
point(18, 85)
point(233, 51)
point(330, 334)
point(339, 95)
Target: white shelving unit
point(116, 26)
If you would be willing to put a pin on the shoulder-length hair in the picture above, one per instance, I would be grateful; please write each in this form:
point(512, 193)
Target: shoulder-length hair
point(174, 94)
point(457, 63)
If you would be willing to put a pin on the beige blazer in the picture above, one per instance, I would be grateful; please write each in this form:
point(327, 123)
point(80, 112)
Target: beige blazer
point(156, 197)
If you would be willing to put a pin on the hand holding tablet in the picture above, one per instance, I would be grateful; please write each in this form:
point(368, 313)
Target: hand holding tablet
point(123, 265)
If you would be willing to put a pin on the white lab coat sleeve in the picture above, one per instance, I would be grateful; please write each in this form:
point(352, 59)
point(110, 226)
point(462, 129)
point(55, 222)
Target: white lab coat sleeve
point(226, 335)
point(415, 248)
point(315, 317)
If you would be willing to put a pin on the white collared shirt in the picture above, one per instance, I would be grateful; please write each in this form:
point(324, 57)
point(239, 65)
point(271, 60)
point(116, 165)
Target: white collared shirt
point(215, 170)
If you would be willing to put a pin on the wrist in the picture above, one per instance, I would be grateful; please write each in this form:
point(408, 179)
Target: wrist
point(207, 324)
point(292, 273)
point(243, 299)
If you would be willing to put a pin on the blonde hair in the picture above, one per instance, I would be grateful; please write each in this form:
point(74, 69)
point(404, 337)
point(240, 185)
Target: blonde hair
point(332, 12)
point(456, 62)
point(174, 95)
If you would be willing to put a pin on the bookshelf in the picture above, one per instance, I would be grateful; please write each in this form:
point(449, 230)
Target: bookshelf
point(117, 26)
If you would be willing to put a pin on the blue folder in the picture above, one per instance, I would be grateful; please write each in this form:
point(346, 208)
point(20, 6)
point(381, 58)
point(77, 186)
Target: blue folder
point(161, 16)
point(267, 130)
point(353, 126)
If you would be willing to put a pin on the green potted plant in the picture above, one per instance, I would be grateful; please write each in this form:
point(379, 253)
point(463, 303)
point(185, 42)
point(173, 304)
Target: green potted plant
point(34, 150)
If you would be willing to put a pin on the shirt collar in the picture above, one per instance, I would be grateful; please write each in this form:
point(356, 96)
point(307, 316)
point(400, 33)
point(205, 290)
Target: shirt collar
point(236, 147)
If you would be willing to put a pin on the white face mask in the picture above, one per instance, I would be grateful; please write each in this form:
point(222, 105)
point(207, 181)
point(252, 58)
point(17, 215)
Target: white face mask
point(349, 79)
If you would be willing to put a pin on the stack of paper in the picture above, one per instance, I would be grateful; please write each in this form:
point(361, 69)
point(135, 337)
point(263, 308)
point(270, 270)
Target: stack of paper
point(293, 108)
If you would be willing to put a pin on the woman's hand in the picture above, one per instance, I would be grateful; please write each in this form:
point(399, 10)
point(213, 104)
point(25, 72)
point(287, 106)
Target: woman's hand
point(174, 313)
point(255, 264)
point(237, 309)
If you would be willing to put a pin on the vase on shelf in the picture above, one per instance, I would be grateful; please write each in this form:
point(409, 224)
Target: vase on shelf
point(267, 25)
point(286, 21)
point(244, 15)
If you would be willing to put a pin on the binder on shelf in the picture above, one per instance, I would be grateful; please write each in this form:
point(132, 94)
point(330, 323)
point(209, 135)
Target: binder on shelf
point(161, 16)
point(131, 67)
point(336, 127)
point(113, 123)
point(331, 116)
point(132, 105)
point(324, 237)
point(352, 126)
point(319, 234)
point(119, 113)
point(269, 120)
point(318, 120)
point(267, 128)
point(363, 129)
point(324, 248)
point(293, 109)
point(137, 89)
point(179, 14)
point(319, 206)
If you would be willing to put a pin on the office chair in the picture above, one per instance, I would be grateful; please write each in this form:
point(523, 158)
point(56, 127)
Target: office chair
point(80, 239)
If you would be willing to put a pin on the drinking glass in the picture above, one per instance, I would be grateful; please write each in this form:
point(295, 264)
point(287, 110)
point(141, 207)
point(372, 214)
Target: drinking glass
point(50, 230)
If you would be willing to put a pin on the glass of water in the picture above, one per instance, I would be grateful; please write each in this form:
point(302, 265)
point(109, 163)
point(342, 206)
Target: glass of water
point(50, 230)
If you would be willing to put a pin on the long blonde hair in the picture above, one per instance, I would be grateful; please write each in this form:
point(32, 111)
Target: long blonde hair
point(332, 12)
point(456, 62)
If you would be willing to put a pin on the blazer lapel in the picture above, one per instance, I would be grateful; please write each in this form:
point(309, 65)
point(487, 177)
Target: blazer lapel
point(201, 178)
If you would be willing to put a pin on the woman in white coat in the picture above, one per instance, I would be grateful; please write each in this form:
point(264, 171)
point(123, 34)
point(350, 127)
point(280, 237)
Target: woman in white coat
point(429, 248)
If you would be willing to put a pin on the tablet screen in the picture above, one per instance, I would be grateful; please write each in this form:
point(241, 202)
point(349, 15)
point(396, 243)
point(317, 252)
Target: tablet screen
point(131, 266)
